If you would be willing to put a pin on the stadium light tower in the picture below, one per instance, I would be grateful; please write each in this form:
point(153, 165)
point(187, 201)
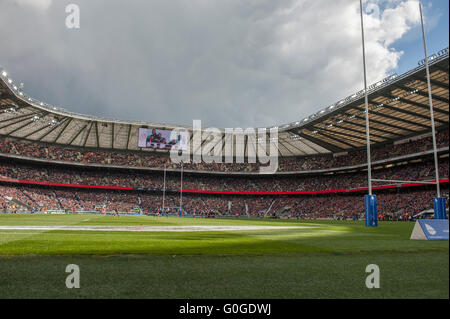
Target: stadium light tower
point(370, 200)
point(439, 202)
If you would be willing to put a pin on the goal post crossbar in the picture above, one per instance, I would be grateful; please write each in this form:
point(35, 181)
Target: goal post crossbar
point(397, 181)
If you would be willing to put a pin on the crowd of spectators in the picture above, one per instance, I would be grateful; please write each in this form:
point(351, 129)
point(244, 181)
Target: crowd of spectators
point(391, 205)
point(423, 171)
point(159, 161)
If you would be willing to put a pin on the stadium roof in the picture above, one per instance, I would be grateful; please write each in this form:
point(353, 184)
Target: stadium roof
point(398, 107)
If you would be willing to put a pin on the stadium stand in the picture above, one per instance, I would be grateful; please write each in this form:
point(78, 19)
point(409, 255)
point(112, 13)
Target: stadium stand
point(55, 160)
point(393, 205)
point(305, 163)
point(28, 174)
point(60, 187)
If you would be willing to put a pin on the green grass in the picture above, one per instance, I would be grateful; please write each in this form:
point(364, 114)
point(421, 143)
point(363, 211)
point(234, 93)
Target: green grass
point(325, 260)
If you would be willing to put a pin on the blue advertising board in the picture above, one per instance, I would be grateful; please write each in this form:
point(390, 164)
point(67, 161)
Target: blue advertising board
point(431, 229)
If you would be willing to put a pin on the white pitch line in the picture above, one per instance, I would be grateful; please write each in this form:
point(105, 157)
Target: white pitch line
point(198, 228)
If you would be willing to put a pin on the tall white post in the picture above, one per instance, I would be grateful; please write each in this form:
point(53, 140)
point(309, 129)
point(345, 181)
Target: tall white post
point(430, 97)
point(164, 190)
point(181, 190)
point(366, 99)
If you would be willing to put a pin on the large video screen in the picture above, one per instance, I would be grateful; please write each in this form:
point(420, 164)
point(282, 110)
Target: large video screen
point(161, 139)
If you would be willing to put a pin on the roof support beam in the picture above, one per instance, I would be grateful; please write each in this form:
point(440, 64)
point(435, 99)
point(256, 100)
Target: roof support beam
point(96, 135)
point(245, 145)
point(20, 120)
point(52, 129)
point(407, 112)
point(215, 145)
point(325, 145)
point(285, 148)
point(287, 141)
point(128, 136)
point(341, 133)
point(20, 127)
point(400, 120)
point(88, 133)
point(253, 145)
point(372, 128)
point(63, 129)
point(423, 106)
point(200, 147)
point(279, 152)
point(439, 67)
point(28, 123)
point(36, 131)
point(356, 131)
point(433, 82)
point(112, 135)
point(307, 143)
point(78, 133)
point(421, 93)
point(399, 110)
point(17, 106)
point(384, 123)
point(320, 132)
point(223, 144)
point(17, 117)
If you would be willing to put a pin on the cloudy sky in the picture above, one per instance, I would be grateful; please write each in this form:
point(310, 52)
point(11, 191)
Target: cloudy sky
point(229, 63)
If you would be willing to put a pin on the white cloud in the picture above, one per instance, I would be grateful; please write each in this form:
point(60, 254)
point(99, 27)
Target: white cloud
point(40, 4)
point(230, 63)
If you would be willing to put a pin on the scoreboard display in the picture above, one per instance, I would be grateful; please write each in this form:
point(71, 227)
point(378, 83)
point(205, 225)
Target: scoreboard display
point(163, 139)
